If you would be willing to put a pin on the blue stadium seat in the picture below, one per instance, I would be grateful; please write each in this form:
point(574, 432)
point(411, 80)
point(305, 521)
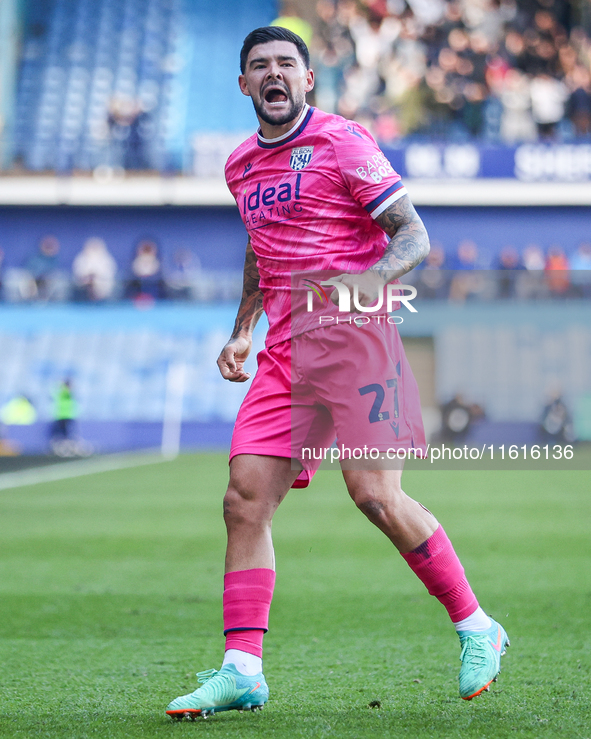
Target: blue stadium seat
point(179, 57)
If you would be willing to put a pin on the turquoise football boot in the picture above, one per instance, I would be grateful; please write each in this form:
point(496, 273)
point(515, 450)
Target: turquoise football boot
point(481, 659)
point(223, 690)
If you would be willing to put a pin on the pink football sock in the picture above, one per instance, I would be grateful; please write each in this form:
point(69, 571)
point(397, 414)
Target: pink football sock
point(247, 600)
point(436, 564)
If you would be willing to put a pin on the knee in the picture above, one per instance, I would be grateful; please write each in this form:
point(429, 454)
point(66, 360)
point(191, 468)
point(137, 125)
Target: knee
point(376, 504)
point(372, 507)
point(241, 507)
point(235, 505)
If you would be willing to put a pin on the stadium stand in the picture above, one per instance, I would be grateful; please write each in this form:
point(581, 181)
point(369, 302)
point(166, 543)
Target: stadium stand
point(122, 83)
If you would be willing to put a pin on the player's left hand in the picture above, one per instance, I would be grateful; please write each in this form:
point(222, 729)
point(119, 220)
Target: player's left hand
point(368, 284)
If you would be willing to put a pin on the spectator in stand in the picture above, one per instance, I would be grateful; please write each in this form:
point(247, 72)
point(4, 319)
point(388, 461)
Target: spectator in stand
point(403, 71)
point(121, 114)
point(579, 102)
point(180, 279)
point(130, 128)
point(509, 263)
point(533, 258)
point(432, 280)
point(580, 274)
point(373, 35)
point(532, 284)
point(557, 275)
point(467, 281)
point(517, 123)
point(548, 103)
point(146, 283)
point(466, 255)
point(94, 271)
point(582, 257)
point(48, 281)
point(473, 69)
point(333, 52)
point(581, 43)
point(141, 130)
point(43, 263)
point(512, 49)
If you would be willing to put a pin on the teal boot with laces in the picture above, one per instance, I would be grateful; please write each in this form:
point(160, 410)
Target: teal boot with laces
point(223, 690)
point(481, 659)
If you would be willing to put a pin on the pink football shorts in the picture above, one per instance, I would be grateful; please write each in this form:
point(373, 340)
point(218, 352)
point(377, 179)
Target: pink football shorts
point(344, 382)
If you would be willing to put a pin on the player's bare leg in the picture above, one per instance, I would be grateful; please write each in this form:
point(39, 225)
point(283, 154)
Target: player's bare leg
point(420, 539)
point(257, 486)
point(379, 495)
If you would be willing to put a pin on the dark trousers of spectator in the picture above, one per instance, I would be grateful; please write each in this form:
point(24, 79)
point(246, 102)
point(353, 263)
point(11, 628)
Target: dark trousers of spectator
point(62, 428)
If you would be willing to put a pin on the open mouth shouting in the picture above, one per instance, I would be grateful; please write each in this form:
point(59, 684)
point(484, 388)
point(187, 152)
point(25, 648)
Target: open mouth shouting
point(276, 96)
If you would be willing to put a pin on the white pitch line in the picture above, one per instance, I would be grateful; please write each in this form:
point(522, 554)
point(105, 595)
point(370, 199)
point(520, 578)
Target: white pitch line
point(65, 470)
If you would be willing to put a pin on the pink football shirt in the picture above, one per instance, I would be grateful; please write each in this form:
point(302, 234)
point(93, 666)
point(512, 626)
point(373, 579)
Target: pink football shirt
point(308, 200)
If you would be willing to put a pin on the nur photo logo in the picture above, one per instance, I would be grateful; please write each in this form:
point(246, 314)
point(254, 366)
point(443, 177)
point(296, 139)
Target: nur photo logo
point(387, 297)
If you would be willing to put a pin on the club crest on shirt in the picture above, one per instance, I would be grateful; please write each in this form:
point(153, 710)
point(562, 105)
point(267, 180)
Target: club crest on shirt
point(300, 156)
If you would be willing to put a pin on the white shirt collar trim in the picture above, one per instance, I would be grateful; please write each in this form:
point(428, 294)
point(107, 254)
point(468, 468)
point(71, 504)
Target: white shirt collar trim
point(289, 133)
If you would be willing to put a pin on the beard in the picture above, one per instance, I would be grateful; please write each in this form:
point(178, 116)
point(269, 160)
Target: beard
point(295, 108)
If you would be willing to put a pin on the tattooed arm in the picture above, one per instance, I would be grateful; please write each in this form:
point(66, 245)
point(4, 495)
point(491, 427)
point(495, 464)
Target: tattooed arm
point(234, 354)
point(251, 304)
point(409, 245)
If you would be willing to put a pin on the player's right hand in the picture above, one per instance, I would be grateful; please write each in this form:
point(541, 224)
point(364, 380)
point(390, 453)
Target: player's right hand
point(232, 358)
point(366, 284)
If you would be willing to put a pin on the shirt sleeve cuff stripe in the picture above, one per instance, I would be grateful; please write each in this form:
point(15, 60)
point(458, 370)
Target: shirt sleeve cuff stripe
point(387, 202)
point(382, 196)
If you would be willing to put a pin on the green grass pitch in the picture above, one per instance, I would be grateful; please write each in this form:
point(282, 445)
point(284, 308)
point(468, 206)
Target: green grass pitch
point(111, 601)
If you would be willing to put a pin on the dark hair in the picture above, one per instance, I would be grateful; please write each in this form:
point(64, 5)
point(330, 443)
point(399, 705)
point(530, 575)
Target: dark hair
point(272, 33)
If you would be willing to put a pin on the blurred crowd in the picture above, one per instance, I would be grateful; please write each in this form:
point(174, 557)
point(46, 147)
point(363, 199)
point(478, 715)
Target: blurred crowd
point(96, 276)
point(532, 274)
point(498, 70)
